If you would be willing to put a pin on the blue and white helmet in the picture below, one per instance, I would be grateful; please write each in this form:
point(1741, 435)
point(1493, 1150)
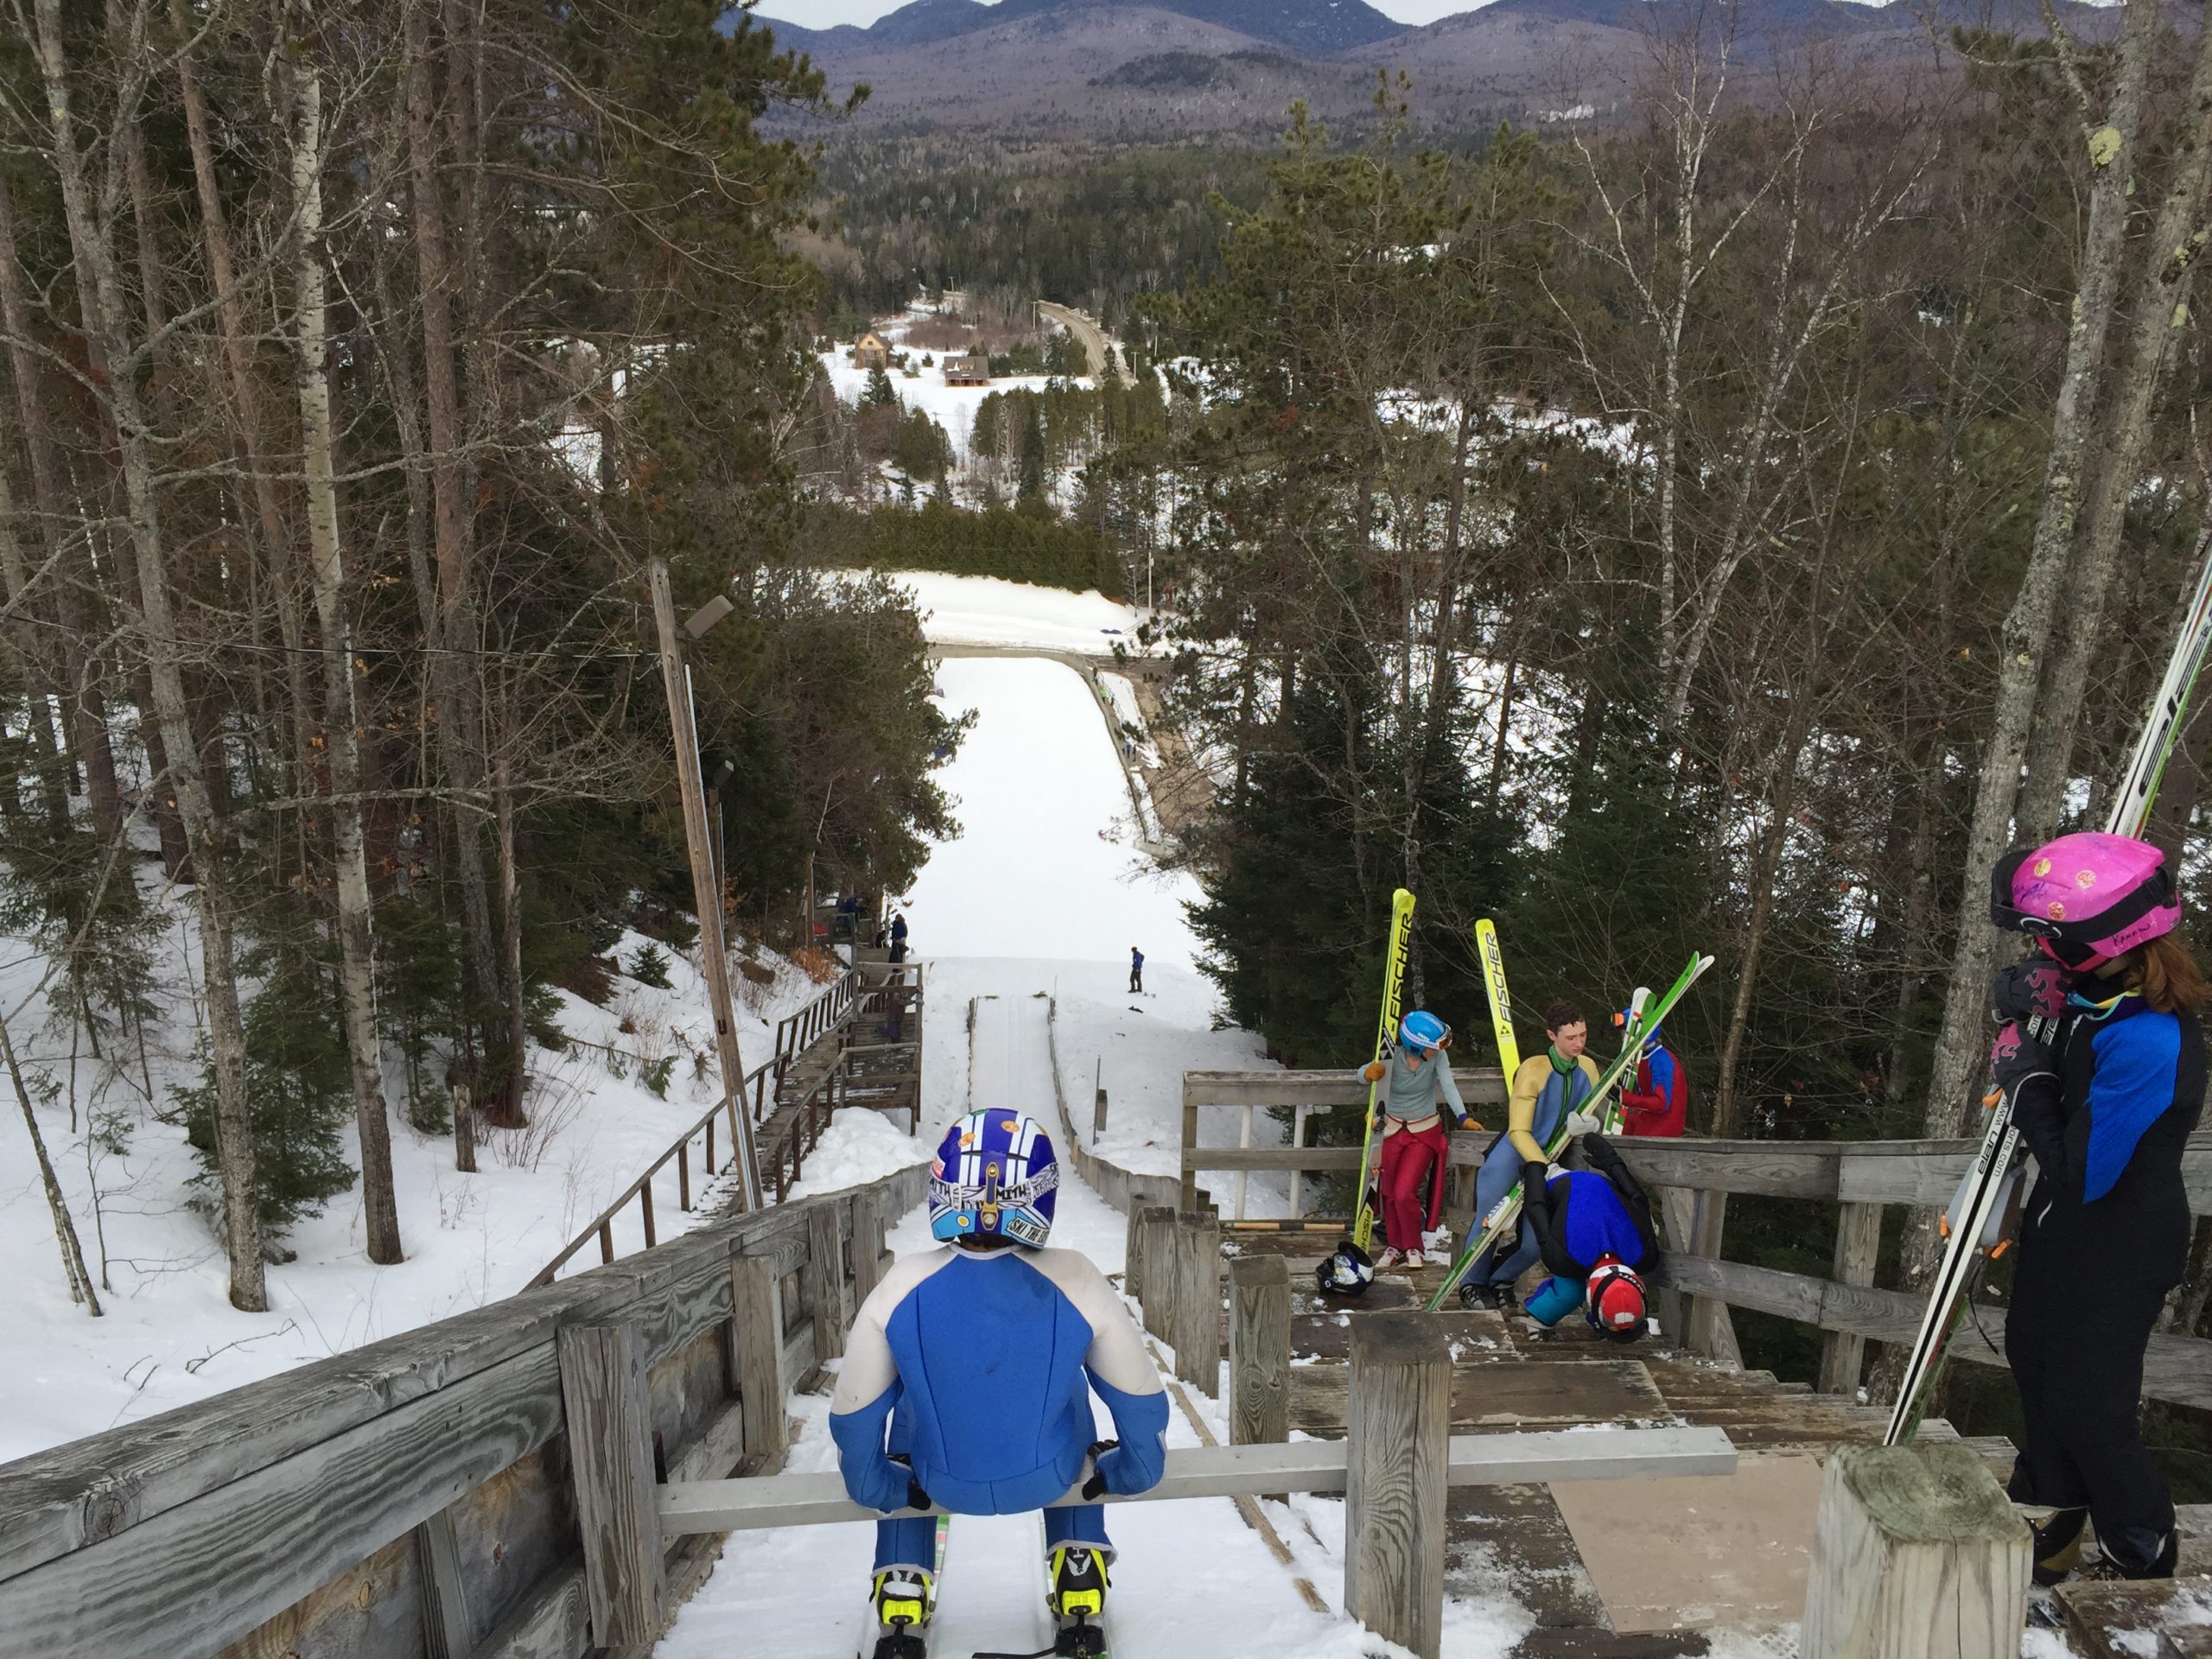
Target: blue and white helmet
point(1421, 1031)
point(995, 1176)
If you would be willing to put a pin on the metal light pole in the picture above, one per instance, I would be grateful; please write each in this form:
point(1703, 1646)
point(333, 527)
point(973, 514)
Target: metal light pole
point(706, 889)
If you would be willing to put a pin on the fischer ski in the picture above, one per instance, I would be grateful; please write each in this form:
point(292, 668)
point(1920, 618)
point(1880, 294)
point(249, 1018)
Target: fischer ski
point(1386, 1034)
point(1978, 1223)
point(1501, 1000)
point(1602, 1100)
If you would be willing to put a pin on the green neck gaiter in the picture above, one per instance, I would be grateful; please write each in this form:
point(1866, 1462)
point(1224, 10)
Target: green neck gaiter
point(1559, 1064)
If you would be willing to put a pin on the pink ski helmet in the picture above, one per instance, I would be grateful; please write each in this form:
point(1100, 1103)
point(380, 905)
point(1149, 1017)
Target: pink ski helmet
point(2085, 898)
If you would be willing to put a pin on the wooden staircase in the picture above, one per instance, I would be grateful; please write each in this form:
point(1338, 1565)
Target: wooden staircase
point(858, 1044)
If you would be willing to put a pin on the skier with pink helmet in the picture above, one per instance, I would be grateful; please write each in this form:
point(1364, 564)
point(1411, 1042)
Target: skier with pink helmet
point(2103, 1057)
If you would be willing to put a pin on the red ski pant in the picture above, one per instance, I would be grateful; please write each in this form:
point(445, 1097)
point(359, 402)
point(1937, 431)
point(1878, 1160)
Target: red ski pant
point(1408, 1157)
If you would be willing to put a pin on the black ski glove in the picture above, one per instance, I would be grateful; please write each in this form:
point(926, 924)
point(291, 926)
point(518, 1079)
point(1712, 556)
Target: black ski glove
point(1600, 1151)
point(1094, 1488)
point(2030, 992)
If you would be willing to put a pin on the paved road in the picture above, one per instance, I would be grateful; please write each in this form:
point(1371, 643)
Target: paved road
point(1088, 332)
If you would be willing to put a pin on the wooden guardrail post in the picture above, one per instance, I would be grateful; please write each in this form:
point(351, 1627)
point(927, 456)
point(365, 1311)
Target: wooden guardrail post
point(611, 1455)
point(446, 1630)
point(825, 1280)
point(868, 1247)
point(1857, 1243)
point(1398, 1432)
point(1196, 1329)
point(1712, 1332)
point(1259, 1350)
point(1156, 1235)
point(1917, 1554)
point(756, 1335)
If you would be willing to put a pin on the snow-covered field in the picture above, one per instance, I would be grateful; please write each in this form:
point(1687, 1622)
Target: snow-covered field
point(170, 1336)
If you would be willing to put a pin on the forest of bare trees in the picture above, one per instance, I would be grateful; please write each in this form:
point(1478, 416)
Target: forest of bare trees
point(358, 360)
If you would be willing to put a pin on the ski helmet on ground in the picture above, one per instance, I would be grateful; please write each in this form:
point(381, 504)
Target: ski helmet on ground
point(1421, 1031)
point(1615, 1300)
point(995, 1176)
point(2085, 898)
point(1347, 1271)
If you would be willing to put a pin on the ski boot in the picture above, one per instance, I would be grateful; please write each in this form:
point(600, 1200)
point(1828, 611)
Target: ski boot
point(2154, 1558)
point(2058, 1546)
point(1078, 1601)
point(904, 1597)
point(1499, 1298)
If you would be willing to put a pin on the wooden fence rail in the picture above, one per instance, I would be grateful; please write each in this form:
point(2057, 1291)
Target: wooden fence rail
point(424, 1493)
point(1692, 1181)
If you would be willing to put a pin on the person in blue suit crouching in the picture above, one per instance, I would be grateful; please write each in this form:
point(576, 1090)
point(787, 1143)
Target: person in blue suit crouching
point(967, 1384)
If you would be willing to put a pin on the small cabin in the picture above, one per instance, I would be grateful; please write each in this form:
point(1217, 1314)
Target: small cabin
point(870, 352)
point(967, 369)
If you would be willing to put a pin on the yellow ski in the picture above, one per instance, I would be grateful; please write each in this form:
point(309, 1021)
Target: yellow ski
point(1501, 999)
point(1386, 1035)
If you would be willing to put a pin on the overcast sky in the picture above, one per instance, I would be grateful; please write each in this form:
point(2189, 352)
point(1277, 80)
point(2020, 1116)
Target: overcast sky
point(828, 14)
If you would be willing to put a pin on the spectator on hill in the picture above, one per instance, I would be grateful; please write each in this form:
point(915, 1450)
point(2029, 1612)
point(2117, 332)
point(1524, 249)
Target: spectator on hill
point(1136, 970)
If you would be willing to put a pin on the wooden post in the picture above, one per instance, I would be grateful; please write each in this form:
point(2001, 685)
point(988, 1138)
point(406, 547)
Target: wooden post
point(868, 1247)
point(605, 1243)
point(1857, 1243)
point(1196, 1331)
point(446, 1630)
point(1678, 1207)
point(1259, 1350)
point(1158, 1257)
point(1132, 1251)
point(825, 1280)
point(646, 1212)
point(1190, 1140)
point(611, 1458)
point(756, 1330)
point(683, 1171)
point(1397, 1431)
point(1712, 1333)
point(706, 891)
point(1917, 1554)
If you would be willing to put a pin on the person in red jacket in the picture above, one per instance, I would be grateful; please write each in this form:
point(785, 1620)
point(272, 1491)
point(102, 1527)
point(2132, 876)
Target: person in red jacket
point(1659, 1101)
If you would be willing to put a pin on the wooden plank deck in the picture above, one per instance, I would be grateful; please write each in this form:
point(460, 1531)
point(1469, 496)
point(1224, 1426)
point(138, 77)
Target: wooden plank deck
point(1509, 1375)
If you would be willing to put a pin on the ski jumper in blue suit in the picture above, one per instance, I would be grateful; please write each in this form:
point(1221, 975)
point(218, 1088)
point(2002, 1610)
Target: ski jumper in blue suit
point(2104, 1236)
point(1544, 1091)
point(1581, 1215)
point(978, 1367)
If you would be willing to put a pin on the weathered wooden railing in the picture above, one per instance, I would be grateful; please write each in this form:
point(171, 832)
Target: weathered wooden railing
point(1394, 1466)
point(448, 1492)
point(1305, 1093)
point(802, 1122)
point(798, 1032)
point(1693, 1180)
point(752, 1091)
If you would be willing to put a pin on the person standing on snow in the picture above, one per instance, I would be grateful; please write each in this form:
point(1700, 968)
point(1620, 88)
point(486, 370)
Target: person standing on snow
point(967, 1381)
point(899, 936)
point(1136, 970)
point(1412, 1127)
point(1547, 1095)
point(2103, 1057)
point(1592, 1229)
point(1658, 1101)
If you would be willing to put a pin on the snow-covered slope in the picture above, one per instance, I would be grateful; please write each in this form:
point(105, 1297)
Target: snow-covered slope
point(170, 1336)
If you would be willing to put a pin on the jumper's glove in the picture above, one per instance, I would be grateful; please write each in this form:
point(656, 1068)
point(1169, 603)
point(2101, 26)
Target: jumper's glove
point(1600, 1152)
point(1372, 1071)
point(1533, 1175)
point(2019, 1054)
point(1582, 1123)
point(2032, 992)
point(1094, 1487)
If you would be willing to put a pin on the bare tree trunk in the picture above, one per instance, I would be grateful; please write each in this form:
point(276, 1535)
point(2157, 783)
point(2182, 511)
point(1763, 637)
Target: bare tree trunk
point(87, 712)
point(65, 1229)
point(107, 330)
point(451, 519)
point(2159, 310)
point(510, 935)
point(2027, 633)
point(356, 941)
point(238, 360)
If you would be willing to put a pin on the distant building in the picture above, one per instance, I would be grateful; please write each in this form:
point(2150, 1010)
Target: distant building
point(967, 369)
point(870, 352)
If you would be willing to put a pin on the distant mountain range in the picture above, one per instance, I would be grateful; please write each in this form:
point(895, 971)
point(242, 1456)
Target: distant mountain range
point(1141, 68)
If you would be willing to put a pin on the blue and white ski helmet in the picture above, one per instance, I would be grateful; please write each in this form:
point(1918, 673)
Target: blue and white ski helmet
point(1650, 1037)
point(995, 1176)
point(1421, 1031)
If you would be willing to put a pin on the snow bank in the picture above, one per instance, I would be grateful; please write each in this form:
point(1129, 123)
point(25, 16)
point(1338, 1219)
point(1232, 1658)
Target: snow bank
point(170, 1336)
point(987, 611)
